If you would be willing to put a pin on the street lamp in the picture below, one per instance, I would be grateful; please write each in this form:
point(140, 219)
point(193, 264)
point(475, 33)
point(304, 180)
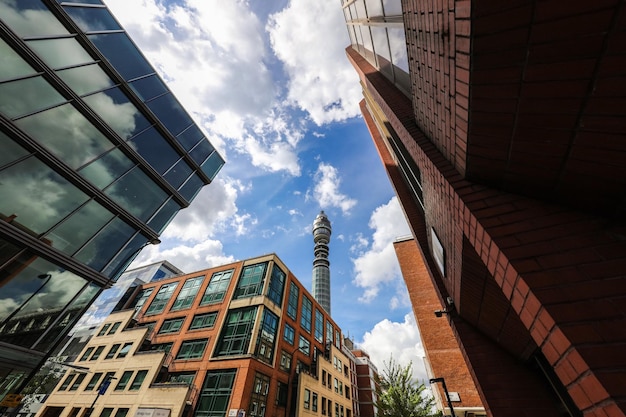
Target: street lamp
point(101, 391)
point(445, 390)
point(46, 278)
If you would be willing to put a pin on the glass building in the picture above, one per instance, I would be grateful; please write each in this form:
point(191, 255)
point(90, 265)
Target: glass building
point(97, 158)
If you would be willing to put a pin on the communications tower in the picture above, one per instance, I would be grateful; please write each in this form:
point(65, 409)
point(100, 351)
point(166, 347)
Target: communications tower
point(321, 266)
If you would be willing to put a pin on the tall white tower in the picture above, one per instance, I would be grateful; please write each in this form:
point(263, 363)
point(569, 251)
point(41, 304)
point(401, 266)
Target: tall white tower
point(321, 266)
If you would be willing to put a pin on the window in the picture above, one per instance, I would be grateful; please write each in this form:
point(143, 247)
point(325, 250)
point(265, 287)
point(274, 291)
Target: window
point(258, 399)
point(336, 385)
point(113, 351)
point(125, 349)
point(187, 294)
point(314, 403)
point(106, 412)
point(93, 381)
point(277, 286)
point(123, 382)
point(136, 384)
point(86, 354)
point(439, 253)
point(216, 289)
point(323, 406)
point(114, 328)
point(97, 353)
point(329, 333)
point(192, 349)
point(181, 378)
point(336, 410)
point(305, 318)
point(237, 332)
point(338, 338)
point(67, 382)
point(292, 306)
point(202, 321)
point(281, 394)
point(215, 393)
point(165, 347)
point(267, 336)
point(141, 299)
point(251, 281)
point(74, 412)
point(330, 380)
point(289, 334)
point(108, 377)
point(121, 412)
point(171, 325)
point(77, 382)
point(341, 411)
point(307, 399)
point(104, 329)
point(285, 361)
point(319, 326)
point(161, 299)
point(304, 346)
point(324, 377)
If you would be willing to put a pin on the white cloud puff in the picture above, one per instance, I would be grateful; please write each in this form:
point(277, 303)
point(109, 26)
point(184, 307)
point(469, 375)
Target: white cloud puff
point(189, 258)
point(326, 190)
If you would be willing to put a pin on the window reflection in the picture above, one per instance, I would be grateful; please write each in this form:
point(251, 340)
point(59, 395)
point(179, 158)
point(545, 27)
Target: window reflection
point(18, 98)
point(11, 64)
point(191, 187)
point(75, 141)
point(164, 216)
point(137, 193)
point(190, 137)
point(392, 7)
point(36, 197)
point(170, 113)
point(201, 152)
point(92, 19)
point(149, 87)
point(397, 42)
point(106, 169)
point(58, 53)
point(212, 165)
point(99, 251)
point(153, 147)
point(85, 79)
point(114, 107)
point(178, 174)
point(120, 51)
point(30, 18)
point(11, 151)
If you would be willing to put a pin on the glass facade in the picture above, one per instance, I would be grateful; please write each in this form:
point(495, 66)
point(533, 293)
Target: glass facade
point(97, 158)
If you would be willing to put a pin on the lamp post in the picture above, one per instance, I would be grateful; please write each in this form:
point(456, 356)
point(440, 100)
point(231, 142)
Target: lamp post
point(101, 391)
point(46, 278)
point(445, 390)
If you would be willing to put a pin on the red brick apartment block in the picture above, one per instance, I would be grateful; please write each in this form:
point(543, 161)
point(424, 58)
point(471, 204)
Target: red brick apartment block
point(508, 156)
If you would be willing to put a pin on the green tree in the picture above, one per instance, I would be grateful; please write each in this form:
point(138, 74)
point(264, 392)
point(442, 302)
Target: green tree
point(399, 395)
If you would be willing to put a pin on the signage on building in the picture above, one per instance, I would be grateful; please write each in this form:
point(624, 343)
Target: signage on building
point(152, 412)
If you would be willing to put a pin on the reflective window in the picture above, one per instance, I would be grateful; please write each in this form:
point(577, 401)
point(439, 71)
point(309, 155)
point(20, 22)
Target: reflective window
point(60, 53)
point(215, 393)
point(30, 18)
point(190, 137)
point(289, 334)
point(202, 321)
point(192, 349)
point(170, 113)
point(305, 314)
point(374, 7)
point(187, 294)
point(292, 307)
point(120, 51)
point(267, 337)
point(108, 168)
point(139, 378)
point(178, 173)
point(162, 218)
point(137, 193)
point(81, 1)
point(191, 187)
point(392, 7)
point(202, 151)
point(149, 87)
point(304, 345)
point(78, 228)
point(381, 47)
point(251, 281)
point(161, 299)
point(11, 64)
point(216, 289)
point(99, 251)
point(155, 149)
point(397, 43)
point(92, 19)
point(114, 107)
point(319, 326)
point(86, 79)
point(237, 332)
point(35, 196)
point(11, 151)
point(75, 141)
point(172, 325)
point(21, 97)
point(277, 286)
point(212, 165)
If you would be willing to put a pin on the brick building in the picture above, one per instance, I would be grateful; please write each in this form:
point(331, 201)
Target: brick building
point(501, 127)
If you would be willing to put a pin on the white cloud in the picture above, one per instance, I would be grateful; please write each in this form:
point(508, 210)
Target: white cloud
point(294, 212)
point(326, 189)
point(189, 258)
point(378, 265)
point(402, 340)
point(309, 37)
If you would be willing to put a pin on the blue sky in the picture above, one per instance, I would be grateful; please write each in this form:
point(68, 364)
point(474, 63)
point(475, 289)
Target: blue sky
point(271, 86)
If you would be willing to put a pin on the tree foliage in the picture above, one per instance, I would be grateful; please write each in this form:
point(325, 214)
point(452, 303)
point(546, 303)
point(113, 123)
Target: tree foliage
point(401, 396)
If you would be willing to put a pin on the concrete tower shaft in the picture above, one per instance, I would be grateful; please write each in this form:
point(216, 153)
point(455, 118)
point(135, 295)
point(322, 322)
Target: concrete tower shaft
point(321, 266)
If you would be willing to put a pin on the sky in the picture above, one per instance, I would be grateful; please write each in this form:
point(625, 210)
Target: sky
point(270, 85)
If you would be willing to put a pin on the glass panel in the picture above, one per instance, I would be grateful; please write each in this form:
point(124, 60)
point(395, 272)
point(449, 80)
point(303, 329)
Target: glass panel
point(360, 9)
point(148, 87)
point(392, 7)
point(10, 150)
point(374, 8)
point(114, 107)
point(11, 64)
point(170, 113)
point(178, 174)
point(59, 53)
point(85, 79)
point(123, 258)
point(212, 165)
point(106, 169)
point(35, 196)
point(76, 230)
point(191, 187)
point(81, 1)
point(137, 193)
point(381, 48)
point(397, 42)
point(92, 19)
point(190, 137)
point(30, 18)
point(75, 141)
point(120, 51)
point(101, 249)
point(201, 151)
point(153, 147)
point(165, 214)
point(21, 97)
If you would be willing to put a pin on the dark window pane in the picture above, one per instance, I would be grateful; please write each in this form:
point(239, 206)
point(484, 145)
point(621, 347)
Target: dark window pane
point(190, 137)
point(137, 193)
point(76, 230)
point(120, 51)
point(149, 87)
point(212, 165)
point(170, 113)
point(165, 214)
point(114, 107)
point(10, 150)
point(36, 196)
point(191, 187)
point(153, 147)
point(75, 141)
point(30, 18)
point(202, 151)
point(11, 64)
point(92, 19)
point(18, 98)
point(123, 258)
point(85, 79)
point(106, 169)
point(81, 1)
point(101, 249)
point(178, 174)
point(59, 53)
